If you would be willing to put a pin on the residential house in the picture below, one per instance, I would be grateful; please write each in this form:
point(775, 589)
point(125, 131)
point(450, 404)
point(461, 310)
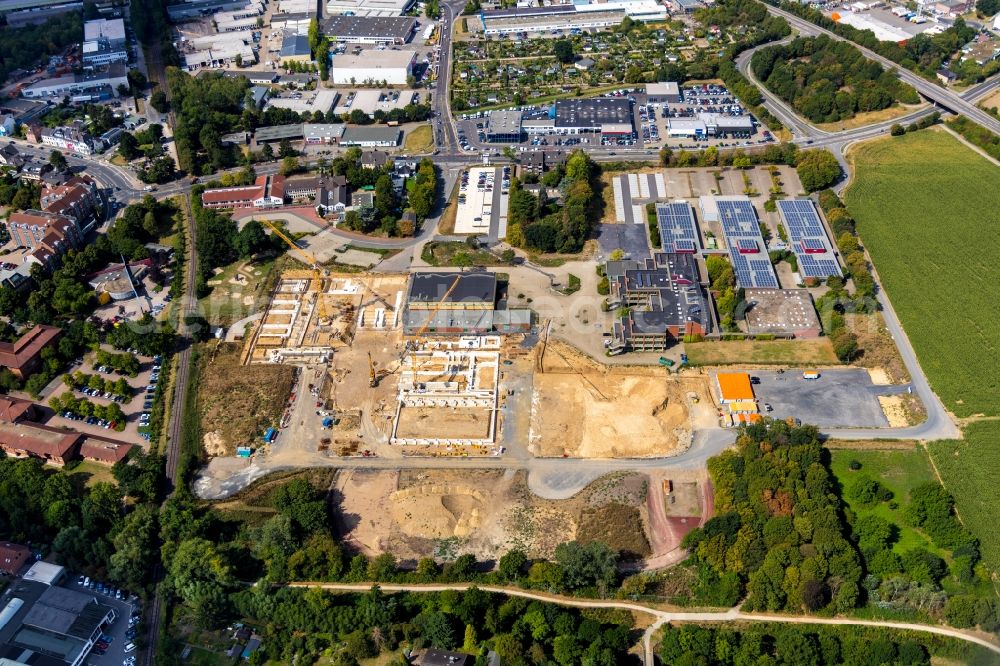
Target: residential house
point(374, 159)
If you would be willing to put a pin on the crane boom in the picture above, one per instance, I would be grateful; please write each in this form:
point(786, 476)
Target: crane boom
point(311, 261)
point(437, 306)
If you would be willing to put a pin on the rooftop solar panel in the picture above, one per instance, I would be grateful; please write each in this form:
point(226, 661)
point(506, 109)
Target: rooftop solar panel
point(743, 238)
point(808, 238)
point(677, 228)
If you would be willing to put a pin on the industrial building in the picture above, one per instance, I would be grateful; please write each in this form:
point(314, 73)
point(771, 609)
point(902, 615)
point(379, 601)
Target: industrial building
point(747, 252)
point(458, 304)
point(38, 15)
point(504, 127)
point(711, 124)
point(678, 232)
point(665, 301)
point(371, 136)
point(368, 7)
point(104, 42)
point(603, 115)
point(579, 15)
point(668, 92)
point(373, 67)
point(102, 83)
point(386, 30)
point(50, 625)
point(808, 238)
point(784, 313)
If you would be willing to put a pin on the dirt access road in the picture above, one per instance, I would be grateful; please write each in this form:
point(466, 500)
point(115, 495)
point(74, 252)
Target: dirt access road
point(666, 616)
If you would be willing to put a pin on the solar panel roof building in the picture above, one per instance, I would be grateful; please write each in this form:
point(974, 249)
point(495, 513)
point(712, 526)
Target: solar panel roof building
point(747, 251)
point(678, 232)
point(808, 239)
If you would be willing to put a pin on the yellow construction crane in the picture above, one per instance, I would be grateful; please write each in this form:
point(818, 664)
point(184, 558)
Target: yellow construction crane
point(437, 306)
point(311, 261)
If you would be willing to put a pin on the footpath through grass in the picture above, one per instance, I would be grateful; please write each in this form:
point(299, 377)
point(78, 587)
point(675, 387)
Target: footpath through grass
point(926, 209)
point(970, 469)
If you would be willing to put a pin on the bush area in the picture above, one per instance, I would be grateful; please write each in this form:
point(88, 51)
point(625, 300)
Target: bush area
point(977, 135)
point(534, 227)
point(827, 80)
point(811, 645)
point(619, 526)
point(777, 532)
point(123, 364)
point(119, 387)
point(920, 201)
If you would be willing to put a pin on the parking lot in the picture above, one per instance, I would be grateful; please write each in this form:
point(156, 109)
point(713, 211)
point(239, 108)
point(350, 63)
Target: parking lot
point(482, 202)
point(142, 386)
point(841, 398)
point(121, 633)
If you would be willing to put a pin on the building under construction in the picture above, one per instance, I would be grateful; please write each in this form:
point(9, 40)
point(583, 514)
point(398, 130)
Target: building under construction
point(459, 303)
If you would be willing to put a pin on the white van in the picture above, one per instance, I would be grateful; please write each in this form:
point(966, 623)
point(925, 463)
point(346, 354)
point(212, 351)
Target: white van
point(129, 647)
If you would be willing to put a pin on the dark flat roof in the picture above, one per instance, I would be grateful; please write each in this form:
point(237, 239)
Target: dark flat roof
point(390, 27)
point(593, 112)
point(472, 287)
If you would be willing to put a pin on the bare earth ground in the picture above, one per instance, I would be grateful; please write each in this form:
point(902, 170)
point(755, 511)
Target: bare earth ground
point(878, 349)
point(442, 513)
point(237, 402)
point(577, 408)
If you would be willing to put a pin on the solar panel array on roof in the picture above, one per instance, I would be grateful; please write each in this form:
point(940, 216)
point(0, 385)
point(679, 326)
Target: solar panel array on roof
point(677, 229)
point(808, 238)
point(739, 224)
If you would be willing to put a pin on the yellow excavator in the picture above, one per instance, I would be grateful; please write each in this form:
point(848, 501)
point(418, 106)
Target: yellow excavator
point(318, 272)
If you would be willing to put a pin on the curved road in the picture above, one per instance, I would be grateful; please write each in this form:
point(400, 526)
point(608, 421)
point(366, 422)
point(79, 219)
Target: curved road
point(662, 616)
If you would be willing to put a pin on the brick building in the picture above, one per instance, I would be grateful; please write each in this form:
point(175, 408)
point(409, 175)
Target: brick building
point(24, 356)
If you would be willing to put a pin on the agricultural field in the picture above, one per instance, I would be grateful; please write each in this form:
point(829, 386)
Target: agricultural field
point(771, 352)
point(922, 203)
point(898, 470)
point(969, 469)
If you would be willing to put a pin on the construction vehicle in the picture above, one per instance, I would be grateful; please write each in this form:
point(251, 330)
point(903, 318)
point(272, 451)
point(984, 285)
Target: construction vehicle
point(666, 362)
point(372, 377)
point(319, 272)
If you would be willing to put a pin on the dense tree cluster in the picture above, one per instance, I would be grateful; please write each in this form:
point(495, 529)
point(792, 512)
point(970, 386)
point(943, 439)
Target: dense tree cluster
point(18, 194)
point(221, 241)
point(691, 645)
point(817, 169)
point(303, 624)
point(565, 229)
point(152, 27)
point(924, 53)
point(828, 80)
point(777, 525)
point(206, 107)
point(27, 46)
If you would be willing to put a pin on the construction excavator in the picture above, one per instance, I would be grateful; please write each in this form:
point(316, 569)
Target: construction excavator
point(318, 271)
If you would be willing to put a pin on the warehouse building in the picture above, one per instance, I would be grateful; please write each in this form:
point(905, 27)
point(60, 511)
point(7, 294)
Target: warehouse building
point(368, 7)
point(668, 92)
point(504, 127)
point(711, 124)
point(603, 115)
point(386, 30)
point(747, 251)
point(579, 15)
point(665, 302)
point(104, 42)
point(102, 83)
point(807, 236)
point(459, 304)
point(295, 48)
point(371, 136)
point(373, 67)
point(784, 313)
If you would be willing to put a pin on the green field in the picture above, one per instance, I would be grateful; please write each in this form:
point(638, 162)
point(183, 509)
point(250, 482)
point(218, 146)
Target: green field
point(899, 471)
point(818, 351)
point(926, 208)
point(970, 469)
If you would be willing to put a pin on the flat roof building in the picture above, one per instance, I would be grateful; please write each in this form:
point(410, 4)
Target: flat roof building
point(370, 137)
point(747, 252)
point(295, 48)
point(668, 92)
point(665, 301)
point(452, 291)
point(368, 7)
point(787, 313)
point(504, 127)
point(369, 29)
point(734, 387)
point(807, 236)
point(604, 115)
point(372, 67)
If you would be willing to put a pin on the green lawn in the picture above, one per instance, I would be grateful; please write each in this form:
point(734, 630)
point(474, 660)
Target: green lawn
point(970, 469)
point(926, 208)
point(898, 470)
